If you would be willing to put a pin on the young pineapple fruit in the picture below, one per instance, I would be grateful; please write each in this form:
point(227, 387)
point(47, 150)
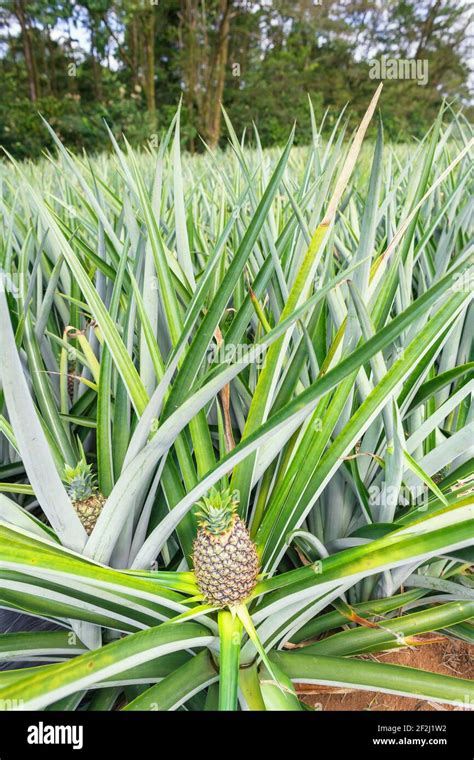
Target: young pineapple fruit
point(82, 488)
point(225, 557)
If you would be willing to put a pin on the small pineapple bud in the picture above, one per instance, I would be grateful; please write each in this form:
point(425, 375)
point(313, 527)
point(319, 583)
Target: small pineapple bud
point(81, 485)
point(80, 481)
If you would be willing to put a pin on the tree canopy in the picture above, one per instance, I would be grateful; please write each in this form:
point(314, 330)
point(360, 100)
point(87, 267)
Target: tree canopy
point(130, 61)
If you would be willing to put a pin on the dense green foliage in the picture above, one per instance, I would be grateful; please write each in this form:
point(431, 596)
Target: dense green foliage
point(129, 62)
point(290, 324)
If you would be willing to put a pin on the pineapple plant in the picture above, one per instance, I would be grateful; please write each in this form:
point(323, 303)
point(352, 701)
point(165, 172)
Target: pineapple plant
point(225, 558)
point(81, 486)
point(366, 383)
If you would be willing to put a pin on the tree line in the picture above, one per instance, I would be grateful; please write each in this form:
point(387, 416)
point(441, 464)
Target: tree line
point(130, 61)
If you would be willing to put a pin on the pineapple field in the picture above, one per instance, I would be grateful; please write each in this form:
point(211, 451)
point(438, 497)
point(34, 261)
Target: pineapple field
point(236, 419)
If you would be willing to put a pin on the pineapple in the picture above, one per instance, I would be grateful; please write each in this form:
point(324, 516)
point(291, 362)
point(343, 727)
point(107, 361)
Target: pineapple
point(225, 557)
point(82, 489)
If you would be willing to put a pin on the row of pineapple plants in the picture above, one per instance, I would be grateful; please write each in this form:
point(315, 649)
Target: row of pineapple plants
point(225, 382)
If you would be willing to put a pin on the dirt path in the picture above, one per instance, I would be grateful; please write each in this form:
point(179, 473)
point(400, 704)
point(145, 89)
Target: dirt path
point(449, 657)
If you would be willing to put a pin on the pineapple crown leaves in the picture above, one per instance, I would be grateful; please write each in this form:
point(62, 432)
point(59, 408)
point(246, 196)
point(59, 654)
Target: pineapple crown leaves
point(80, 481)
point(217, 510)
